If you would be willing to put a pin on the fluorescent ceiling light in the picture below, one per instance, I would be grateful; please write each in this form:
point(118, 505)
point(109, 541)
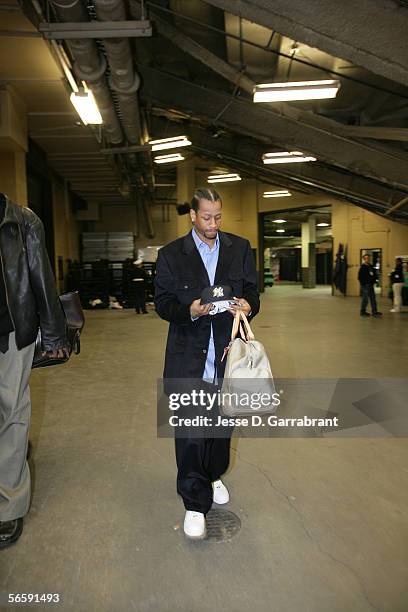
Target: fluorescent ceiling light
point(282, 193)
point(168, 159)
point(86, 107)
point(286, 157)
point(223, 178)
point(280, 231)
point(279, 221)
point(296, 90)
point(322, 224)
point(169, 143)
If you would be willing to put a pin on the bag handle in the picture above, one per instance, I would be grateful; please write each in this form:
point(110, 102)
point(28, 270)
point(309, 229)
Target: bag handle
point(240, 316)
point(250, 334)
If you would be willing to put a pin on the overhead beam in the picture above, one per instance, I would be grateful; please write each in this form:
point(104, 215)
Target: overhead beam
point(385, 165)
point(376, 133)
point(369, 33)
point(243, 155)
point(200, 53)
point(313, 181)
point(130, 149)
point(95, 29)
point(396, 206)
point(233, 75)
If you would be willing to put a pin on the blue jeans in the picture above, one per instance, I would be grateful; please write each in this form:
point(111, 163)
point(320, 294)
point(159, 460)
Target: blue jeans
point(367, 293)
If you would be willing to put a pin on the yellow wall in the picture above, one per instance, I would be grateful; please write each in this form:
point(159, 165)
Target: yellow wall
point(66, 230)
point(13, 146)
point(13, 179)
point(13, 121)
point(124, 219)
point(359, 229)
point(239, 215)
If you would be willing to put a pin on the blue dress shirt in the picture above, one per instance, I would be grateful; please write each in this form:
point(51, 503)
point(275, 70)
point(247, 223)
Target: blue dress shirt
point(210, 260)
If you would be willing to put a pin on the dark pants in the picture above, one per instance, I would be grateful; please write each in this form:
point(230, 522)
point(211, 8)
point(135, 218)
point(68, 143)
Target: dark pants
point(201, 461)
point(367, 293)
point(140, 300)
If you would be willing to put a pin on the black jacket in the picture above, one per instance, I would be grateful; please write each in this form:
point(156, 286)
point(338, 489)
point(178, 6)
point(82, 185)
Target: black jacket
point(30, 288)
point(397, 275)
point(180, 278)
point(367, 274)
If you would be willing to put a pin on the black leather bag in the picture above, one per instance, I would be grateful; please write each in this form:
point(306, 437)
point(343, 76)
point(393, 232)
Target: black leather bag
point(71, 305)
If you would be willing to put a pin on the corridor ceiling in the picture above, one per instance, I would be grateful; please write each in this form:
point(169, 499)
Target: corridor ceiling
point(193, 74)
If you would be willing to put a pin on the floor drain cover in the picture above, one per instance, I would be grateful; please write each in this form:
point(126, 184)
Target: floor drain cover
point(221, 525)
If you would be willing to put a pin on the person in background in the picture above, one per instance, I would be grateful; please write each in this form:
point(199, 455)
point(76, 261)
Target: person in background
point(139, 286)
point(397, 280)
point(367, 277)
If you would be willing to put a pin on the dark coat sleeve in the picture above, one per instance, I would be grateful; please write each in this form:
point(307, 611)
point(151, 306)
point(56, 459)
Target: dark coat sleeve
point(52, 319)
point(165, 299)
point(250, 292)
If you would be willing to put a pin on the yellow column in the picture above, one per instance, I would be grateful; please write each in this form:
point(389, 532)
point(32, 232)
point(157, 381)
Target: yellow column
point(13, 146)
point(13, 180)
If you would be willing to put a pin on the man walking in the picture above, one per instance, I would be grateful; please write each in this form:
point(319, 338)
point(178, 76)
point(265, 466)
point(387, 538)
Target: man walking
point(368, 277)
point(28, 300)
point(196, 340)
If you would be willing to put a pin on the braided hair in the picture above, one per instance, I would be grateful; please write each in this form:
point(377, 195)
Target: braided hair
point(202, 193)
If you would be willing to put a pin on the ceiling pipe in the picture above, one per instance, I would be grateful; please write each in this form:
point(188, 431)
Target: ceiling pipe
point(125, 82)
point(90, 66)
point(123, 79)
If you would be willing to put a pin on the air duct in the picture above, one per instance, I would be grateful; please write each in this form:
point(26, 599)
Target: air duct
point(90, 66)
point(123, 79)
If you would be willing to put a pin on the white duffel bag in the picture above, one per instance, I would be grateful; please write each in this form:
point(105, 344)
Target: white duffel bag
point(248, 387)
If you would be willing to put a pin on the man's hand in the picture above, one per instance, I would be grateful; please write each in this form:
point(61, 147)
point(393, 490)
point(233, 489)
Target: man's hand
point(57, 354)
point(242, 304)
point(199, 310)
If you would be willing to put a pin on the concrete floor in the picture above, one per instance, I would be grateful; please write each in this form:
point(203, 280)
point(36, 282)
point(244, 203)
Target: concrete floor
point(324, 521)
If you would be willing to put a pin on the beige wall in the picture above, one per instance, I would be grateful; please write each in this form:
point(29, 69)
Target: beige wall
point(357, 229)
point(13, 146)
point(13, 179)
point(124, 219)
point(66, 230)
point(239, 210)
point(13, 121)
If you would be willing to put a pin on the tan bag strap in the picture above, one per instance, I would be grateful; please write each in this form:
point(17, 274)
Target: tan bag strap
point(235, 326)
point(249, 335)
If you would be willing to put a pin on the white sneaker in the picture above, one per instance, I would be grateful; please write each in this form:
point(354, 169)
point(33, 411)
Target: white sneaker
point(194, 525)
point(395, 310)
point(220, 492)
